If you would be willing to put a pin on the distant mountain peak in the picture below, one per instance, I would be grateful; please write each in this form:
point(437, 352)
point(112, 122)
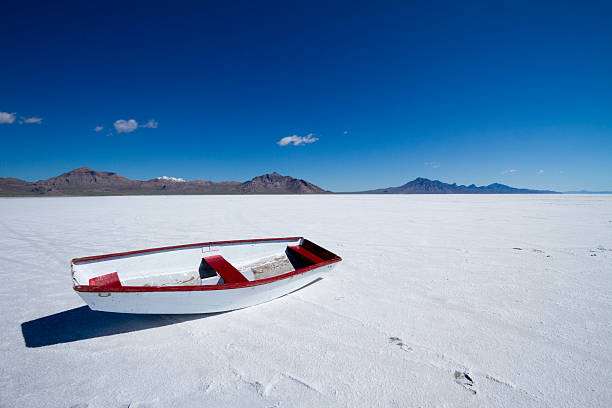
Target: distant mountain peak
point(80, 170)
point(275, 183)
point(270, 176)
point(421, 185)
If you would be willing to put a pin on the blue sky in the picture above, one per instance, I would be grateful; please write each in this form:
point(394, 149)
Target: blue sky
point(468, 92)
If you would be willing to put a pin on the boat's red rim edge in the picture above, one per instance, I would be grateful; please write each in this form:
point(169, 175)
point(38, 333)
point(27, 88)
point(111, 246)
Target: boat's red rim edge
point(86, 288)
point(167, 248)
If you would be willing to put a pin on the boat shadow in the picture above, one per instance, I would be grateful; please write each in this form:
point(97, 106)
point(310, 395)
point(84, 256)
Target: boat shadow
point(82, 323)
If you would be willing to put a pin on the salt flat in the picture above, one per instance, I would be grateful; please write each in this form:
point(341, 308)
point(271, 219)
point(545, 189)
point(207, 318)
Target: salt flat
point(516, 291)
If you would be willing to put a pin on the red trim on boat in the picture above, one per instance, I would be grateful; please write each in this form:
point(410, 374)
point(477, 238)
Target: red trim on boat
point(83, 288)
point(225, 269)
point(110, 280)
point(306, 253)
point(167, 248)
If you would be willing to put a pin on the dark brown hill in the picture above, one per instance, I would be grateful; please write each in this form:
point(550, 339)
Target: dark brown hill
point(276, 184)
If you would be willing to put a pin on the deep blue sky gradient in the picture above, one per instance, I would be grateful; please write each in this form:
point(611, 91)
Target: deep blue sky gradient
point(477, 88)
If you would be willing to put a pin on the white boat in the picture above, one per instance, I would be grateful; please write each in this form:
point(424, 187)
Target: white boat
point(199, 278)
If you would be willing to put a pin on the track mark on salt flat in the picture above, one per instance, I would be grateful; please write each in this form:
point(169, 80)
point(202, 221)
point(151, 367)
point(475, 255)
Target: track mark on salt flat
point(138, 404)
point(256, 385)
point(263, 389)
point(537, 251)
point(431, 356)
point(513, 388)
point(498, 381)
point(341, 315)
point(468, 381)
point(534, 250)
point(304, 383)
point(398, 342)
point(207, 386)
point(42, 246)
point(464, 377)
point(600, 249)
point(465, 380)
point(19, 262)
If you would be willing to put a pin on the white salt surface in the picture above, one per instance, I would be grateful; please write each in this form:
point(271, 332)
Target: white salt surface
point(429, 286)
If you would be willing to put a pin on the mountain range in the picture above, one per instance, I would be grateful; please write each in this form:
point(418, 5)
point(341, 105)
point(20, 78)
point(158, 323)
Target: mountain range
point(85, 181)
point(422, 185)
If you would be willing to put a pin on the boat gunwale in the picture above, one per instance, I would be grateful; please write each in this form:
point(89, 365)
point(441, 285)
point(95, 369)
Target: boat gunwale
point(98, 289)
point(173, 247)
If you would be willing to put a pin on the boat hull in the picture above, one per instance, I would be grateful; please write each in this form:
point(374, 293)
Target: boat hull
point(199, 301)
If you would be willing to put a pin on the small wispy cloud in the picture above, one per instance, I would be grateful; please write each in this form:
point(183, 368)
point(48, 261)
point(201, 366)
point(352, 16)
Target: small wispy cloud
point(434, 165)
point(23, 120)
point(345, 132)
point(98, 128)
point(125, 126)
point(152, 124)
point(297, 140)
point(7, 118)
point(128, 126)
point(511, 171)
point(540, 171)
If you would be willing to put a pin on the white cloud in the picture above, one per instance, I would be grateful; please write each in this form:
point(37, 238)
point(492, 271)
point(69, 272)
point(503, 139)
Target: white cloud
point(6, 117)
point(98, 128)
point(125, 126)
point(510, 171)
point(345, 132)
point(297, 140)
point(152, 124)
point(38, 121)
point(540, 171)
point(9, 118)
point(432, 164)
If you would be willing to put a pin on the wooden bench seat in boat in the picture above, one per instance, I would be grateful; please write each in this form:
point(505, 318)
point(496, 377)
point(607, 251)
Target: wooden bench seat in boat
point(270, 267)
point(225, 269)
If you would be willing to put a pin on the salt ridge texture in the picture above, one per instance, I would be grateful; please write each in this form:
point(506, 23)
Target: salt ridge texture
point(441, 300)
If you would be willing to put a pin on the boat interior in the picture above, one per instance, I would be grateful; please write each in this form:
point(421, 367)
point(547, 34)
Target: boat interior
point(210, 264)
